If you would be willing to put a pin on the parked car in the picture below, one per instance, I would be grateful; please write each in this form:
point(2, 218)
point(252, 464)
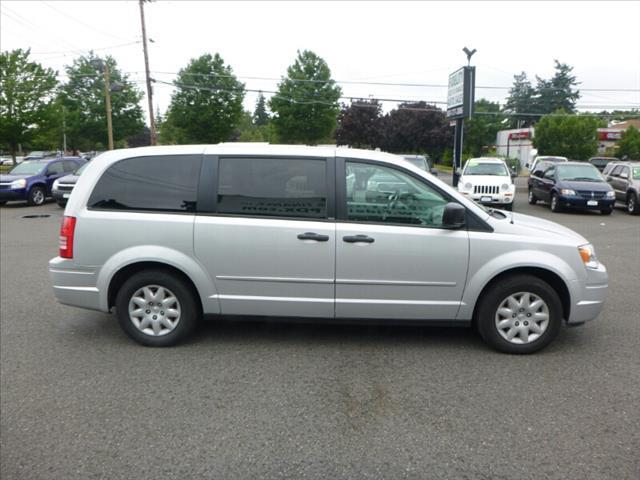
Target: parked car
point(601, 162)
point(167, 234)
point(41, 154)
point(624, 177)
point(422, 161)
point(63, 186)
point(571, 185)
point(544, 158)
point(488, 181)
point(32, 179)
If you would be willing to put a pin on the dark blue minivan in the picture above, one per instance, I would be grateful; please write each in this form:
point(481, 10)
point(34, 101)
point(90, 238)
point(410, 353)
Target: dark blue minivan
point(571, 185)
point(32, 179)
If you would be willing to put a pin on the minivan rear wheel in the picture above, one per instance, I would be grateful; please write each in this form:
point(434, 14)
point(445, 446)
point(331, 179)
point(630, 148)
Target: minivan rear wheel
point(519, 314)
point(156, 308)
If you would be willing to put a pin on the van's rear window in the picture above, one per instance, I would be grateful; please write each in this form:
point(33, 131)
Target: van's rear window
point(155, 183)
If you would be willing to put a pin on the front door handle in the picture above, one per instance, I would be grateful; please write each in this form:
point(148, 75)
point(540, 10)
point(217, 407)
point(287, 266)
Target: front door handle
point(358, 239)
point(313, 236)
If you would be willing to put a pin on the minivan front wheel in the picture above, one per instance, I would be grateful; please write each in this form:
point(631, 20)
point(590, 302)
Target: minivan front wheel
point(37, 196)
point(156, 308)
point(520, 314)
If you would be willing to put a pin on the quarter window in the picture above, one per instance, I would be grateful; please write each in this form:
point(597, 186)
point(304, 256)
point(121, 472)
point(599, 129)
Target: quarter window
point(167, 184)
point(378, 194)
point(273, 187)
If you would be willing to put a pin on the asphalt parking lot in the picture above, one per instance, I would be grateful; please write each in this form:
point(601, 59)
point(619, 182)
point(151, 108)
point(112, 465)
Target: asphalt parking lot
point(80, 400)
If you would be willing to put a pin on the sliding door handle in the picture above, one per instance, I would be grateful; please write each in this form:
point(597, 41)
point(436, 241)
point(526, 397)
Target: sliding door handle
point(313, 236)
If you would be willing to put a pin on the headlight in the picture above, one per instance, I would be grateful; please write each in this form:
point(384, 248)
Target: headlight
point(611, 194)
point(505, 186)
point(567, 191)
point(588, 255)
point(19, 183)
point(55, 184)
point(468, 186)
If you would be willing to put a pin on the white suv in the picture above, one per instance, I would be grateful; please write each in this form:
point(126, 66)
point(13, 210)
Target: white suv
point(167, 234)
point(488, 181)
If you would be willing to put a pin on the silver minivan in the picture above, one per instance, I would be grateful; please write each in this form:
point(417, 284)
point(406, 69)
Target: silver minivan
point(169, 234)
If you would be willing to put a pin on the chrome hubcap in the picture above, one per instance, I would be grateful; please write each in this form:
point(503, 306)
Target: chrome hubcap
point(632, 204)
point(38, 197)
point(522, 318)
point(154, 310)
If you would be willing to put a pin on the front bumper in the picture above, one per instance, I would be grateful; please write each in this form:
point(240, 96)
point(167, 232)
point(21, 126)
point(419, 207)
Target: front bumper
point(15, 194)
point(74, 285)
point(590, 295)
point(490, 198)
point(59, 195)
point(575, 201)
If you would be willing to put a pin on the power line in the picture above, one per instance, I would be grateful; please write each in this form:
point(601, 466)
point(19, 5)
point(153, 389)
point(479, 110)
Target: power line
point(90, 27)
point(390, 84)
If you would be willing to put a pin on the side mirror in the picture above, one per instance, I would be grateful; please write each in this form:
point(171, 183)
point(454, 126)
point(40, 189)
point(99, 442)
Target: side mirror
point(537, 173)
point(526, 165)
point(434, 172)
point(514, 175)
point(454, 215)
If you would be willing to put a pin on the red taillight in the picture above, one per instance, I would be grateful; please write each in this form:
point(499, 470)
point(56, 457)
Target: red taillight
point(66, 236)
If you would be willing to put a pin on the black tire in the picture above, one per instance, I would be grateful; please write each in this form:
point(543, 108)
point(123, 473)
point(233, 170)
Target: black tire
point(606, 211)
point(37, 196)
point(3, 203)
point(497, 293)
point(532, 198)
point(555, 203)
point(190, 311)
point(508, 207)
point(632, 204)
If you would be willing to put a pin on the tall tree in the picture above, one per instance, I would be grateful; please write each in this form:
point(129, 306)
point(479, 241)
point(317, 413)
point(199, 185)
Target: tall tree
point(481, 130)
point(260, 115)
point(359, 124)
point(629, 144)
point(27, 91)
point(557, 93)
point(83, 98)
point(305, 109)
point(572, 136)
point(520, 101)
point(206, 106)
point(416, 128)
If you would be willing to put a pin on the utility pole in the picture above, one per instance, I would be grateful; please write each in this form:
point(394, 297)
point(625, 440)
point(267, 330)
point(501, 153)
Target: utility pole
point(107, 95)
point(152, 122)
point(64, 130)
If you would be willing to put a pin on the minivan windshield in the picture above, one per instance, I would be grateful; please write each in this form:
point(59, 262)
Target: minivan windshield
point(485, 168)
point(582, 173)
point(28, 168)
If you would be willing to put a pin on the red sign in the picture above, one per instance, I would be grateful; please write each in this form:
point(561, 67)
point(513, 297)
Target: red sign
point(519, 135)
point(615, 135)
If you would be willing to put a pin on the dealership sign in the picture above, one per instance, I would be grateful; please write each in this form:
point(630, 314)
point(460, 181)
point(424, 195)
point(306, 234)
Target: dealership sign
point(460, 94)
point(610, 135)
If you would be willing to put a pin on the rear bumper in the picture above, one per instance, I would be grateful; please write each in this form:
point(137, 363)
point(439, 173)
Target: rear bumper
point(590, 295)
point(75, 286)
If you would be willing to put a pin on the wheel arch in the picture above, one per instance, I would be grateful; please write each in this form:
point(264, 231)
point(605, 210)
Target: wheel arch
point(121, 276)
point(553, 279)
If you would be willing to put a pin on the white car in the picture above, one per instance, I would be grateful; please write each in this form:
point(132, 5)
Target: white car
point(488, 181)
point(547, 158)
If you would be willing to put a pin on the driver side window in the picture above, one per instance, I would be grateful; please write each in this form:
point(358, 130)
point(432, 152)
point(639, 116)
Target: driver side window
point(55, 168)
point(380, 194)
point(549, 173)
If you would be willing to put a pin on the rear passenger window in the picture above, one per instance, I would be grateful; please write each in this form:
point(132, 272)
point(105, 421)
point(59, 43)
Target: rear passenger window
point(167, 184)
point(70, 166)
point(273, 187)
point(55, 168)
